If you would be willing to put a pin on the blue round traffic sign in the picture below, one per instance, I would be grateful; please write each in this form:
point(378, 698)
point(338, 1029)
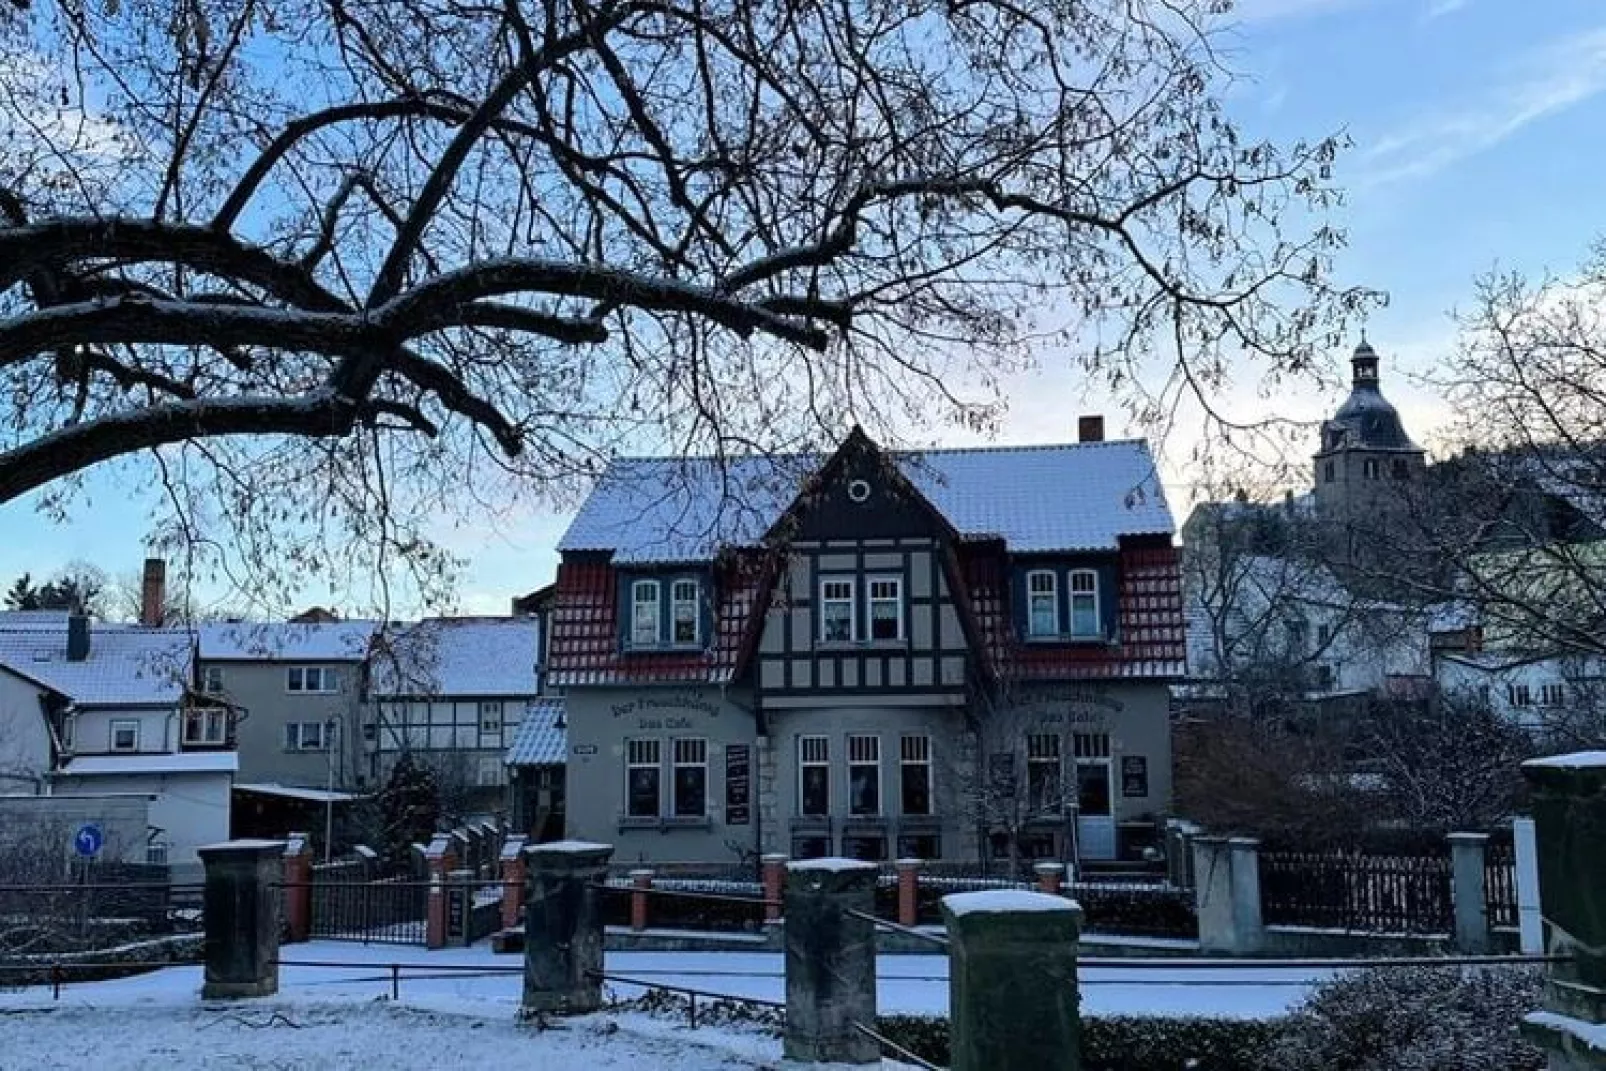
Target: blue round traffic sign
point(88, 840)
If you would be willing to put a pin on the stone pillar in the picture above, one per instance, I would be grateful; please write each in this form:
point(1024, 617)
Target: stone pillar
point(440, 859)
point(1467, 852)
point(241, 913)
point(1012, 999)
point(1049, 876)
point(909, 891)
point(830, 961)
point(640, 884)
point(298, 888)
point(513, 872)
point(1227, 894)
point(1569, 811)
point(1530, 924)
point(563, 927)
point(774, 881)
point(1247, 925)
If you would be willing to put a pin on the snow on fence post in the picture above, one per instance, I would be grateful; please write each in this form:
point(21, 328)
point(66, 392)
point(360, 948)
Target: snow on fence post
point(1467, 857)
point(909, 891)
point(1049, 877)
point(441, 858)
point(563, 927)
point(298, 888)
point(513, 874)
point(241, 916)
point(1530, 923)
point(830, 961)
point(1569, 810)
point(773, 877)
point(1012, 1000)
point(640, 884)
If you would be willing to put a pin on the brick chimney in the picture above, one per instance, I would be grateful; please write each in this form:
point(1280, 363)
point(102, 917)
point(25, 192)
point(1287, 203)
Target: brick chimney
point(153, 592)
point(1090, 429)
point(77, 637)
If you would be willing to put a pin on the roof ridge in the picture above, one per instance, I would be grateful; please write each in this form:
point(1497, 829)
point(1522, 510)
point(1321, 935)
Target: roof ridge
point(988, 448)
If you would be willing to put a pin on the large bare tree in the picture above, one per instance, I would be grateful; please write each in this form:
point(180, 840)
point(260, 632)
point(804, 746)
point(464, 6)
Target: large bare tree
point(323, 265)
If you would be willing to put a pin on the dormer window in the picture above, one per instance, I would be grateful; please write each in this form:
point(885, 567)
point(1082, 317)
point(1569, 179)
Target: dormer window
point(644, 608)
point(1042, 593)
point(1085, 603)
point(683, 611)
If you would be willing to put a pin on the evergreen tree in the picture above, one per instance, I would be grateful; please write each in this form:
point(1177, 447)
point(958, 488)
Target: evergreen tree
point(410, 806)
point(22, 595)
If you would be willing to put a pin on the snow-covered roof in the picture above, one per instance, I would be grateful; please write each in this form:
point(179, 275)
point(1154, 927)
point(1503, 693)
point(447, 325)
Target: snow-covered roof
point(285, 641)
point(28, 620)
point(542, 738)
point(183, 762)
point(1038, 499)
point(460, 656)
point(125, 666)
point(291, 792)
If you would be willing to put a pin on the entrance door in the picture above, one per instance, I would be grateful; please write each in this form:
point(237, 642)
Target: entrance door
point(1095, 811)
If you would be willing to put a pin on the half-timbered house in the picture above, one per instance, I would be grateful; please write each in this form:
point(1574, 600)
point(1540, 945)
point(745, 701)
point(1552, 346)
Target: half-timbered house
point(875, 654)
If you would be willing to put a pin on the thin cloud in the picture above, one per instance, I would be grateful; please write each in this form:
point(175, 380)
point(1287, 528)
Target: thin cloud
point(1437, 9)
point(1547, 81)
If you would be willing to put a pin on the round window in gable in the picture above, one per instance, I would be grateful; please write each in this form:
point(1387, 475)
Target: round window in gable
point(859, 491)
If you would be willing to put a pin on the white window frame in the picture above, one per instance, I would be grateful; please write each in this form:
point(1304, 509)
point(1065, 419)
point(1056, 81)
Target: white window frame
point(120, 725)
point(872, 600)
point(914, 751)
point(208, 718)
point(1051, 592)
point(677, 601)
point(639, 637)
point(298, 730)
point(1092, 592)
point(813, 751)
point(69, 731)
point(864, 752)
point(299, 679)
point(852, 601)
point(1046, 750)
point(489, 712)
point(1519, 695)
point(644, 753)
point(212, 680)
point(1370, 468)
point(1553, 694)
point(687, 753)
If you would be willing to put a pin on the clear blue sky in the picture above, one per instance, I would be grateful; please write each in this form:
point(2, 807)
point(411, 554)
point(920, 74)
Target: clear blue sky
point(1477, 128)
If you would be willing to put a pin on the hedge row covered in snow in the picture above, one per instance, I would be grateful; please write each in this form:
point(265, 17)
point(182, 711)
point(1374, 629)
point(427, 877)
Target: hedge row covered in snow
point(1393, 1019)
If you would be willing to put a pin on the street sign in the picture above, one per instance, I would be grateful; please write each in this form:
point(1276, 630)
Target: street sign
point(89, 840)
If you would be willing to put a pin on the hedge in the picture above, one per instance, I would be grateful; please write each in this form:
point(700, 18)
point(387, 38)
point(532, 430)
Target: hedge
point(1122, 1043)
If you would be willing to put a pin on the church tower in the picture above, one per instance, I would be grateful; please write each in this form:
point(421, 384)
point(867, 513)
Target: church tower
point(1367, 468)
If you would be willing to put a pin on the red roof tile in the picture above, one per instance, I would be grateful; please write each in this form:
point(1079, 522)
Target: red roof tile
point(585, 646)
point(1152, 631)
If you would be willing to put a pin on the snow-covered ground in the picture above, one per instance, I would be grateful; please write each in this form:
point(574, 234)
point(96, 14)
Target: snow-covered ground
point(343, 1017)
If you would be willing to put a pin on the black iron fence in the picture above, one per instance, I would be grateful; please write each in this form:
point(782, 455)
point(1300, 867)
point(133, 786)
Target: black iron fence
point(1384, 894)
point(1500, 884)
point(387, 911)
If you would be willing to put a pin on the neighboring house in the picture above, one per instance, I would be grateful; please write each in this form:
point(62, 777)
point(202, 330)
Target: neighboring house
point(873, 654)
point(107, 711)
point(453, 692)
point(299, 690)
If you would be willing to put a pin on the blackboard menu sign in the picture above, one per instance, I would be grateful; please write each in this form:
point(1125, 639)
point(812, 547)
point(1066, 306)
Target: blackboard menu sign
point(738, 784)
point(1134, 775)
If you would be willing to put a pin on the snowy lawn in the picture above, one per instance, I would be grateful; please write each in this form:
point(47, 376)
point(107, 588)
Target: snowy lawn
point(344, 1017)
